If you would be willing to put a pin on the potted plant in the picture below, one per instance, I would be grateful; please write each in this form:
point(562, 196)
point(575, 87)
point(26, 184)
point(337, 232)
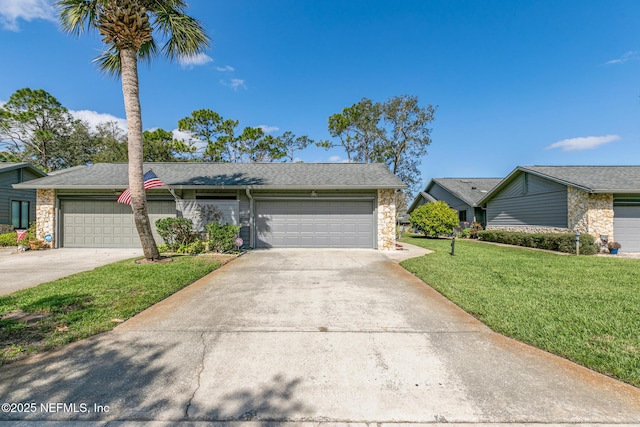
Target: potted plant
point(614, 247)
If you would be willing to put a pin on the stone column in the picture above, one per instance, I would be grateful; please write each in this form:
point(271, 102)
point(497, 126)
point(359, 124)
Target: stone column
point(590, 213)
point(386, 220)
point(45, 215)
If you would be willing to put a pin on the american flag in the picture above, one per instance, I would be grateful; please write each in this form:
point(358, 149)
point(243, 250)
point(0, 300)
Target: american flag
point(150, 181)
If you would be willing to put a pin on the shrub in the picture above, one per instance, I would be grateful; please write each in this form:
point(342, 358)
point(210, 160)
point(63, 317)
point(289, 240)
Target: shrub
point(175, 232)
point(222, 238)
point(196, 247)
point(434, 219)
point(564, 242)
point(8, 239)
point(465, 233)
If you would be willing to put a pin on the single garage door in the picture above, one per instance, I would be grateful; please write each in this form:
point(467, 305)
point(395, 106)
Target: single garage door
point(106, 224)
point(314, 223)
point(626, 227)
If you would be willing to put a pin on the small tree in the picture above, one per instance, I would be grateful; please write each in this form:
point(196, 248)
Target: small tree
point(434, 219)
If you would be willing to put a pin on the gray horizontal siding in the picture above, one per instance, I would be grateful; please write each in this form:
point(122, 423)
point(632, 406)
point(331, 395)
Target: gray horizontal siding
point(8, 178)
point(8, 193)
point(6, 196)
point(537, 185)
point(28, 175)
point(514, 189)
point(545, 209)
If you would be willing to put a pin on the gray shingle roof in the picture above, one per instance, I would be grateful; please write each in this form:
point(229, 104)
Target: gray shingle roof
point(229, 175)
point(469, 190)
point(594, 179)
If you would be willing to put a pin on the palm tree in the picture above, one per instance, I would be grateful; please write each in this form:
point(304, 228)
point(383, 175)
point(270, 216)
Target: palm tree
point(133, 30)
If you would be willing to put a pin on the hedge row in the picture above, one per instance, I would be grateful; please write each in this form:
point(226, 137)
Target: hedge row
point(565, 242)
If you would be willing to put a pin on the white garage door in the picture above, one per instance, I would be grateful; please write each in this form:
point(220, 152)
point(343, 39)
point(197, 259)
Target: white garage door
point(106, 224)
point(626, 227)
point(314, 223)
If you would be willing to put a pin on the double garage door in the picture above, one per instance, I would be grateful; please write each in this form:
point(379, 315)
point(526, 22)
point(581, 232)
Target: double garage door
point(626, 227)
point(301, 223)
point(106, 224)
point(314, 223)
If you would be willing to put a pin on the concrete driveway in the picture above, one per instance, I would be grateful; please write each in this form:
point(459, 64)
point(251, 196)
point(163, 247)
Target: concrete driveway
point(310, 337)
point(20, 270)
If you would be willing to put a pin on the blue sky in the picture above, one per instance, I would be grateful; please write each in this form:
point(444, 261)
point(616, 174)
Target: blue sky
point(516, 82)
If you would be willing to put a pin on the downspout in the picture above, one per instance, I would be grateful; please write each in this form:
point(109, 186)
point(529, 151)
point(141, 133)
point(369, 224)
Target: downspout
point(251, 219)
point(57, 227)
point(397, 233)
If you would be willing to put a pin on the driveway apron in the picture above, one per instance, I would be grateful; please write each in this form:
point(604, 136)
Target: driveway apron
point(308, 337)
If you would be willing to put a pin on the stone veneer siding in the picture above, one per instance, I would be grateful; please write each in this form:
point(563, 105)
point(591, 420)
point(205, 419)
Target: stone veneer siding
point(386, 220)
point(6, 228)
point(45, 215)
point(590, 213)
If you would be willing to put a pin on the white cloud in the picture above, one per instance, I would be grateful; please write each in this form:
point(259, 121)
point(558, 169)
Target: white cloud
point(186, 137)
point(225, 68)
point(94, 118)
point(13, 10)
point(193, 61)
point(583, 143)
point(335, 159)
point(632, 54)
point(181, 135)
point(234, 84)
point(268, 129)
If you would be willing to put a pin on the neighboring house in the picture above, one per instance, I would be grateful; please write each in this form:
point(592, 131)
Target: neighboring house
point(603, 201)
point(461, 194)
point(17, 206)
point(298, 205)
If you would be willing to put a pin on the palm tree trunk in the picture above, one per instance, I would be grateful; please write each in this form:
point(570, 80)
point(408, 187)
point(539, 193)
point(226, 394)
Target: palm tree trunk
point(130, 90)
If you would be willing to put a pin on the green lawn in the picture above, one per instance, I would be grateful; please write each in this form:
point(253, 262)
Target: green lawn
point(87, 303)
point(586, 309)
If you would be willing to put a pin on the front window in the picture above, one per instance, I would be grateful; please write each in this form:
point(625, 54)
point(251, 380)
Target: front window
point(462, 216)
point(20, 213)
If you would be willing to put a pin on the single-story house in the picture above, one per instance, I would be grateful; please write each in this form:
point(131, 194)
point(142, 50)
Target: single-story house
point(327, 205)
point(603, 201)
point(17, 206)
point(461, 194)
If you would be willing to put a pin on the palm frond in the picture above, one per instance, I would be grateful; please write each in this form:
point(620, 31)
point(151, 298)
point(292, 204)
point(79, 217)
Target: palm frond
point(147, 51)
point(76, 16)
point(109, 62)
point(185, 35)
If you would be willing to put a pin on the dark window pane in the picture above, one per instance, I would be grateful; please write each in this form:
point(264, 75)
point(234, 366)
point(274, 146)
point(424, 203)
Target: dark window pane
point(24, 215)
point(15, 214)
point(20, 214)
